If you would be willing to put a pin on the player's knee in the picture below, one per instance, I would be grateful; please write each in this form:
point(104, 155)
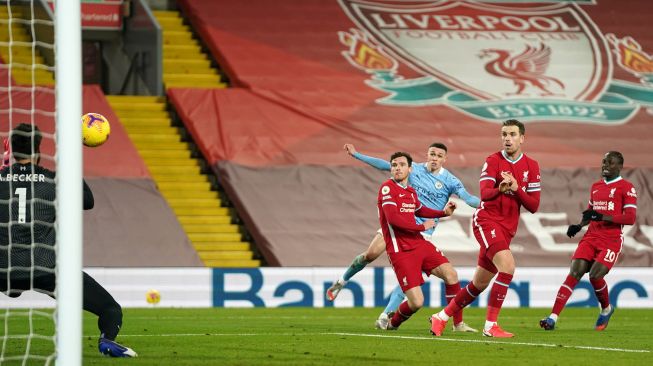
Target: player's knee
point(577, 274)
point(481, 284)
point(416, 304)
point(596, 274)
point(451, 277)
point(113, 311)
point(508, 267)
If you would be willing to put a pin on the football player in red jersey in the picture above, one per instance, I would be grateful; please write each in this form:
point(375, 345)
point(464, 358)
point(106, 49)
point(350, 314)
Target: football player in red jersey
point(509, 180)
point(613, 204)
point(409, 252)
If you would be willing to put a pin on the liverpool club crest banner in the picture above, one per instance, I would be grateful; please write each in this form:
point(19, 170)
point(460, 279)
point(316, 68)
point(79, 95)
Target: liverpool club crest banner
point(542, 60)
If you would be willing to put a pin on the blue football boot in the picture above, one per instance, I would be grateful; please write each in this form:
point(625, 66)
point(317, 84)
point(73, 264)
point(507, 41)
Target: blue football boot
point(548, 323)
point(602, 321)
point(114, 349)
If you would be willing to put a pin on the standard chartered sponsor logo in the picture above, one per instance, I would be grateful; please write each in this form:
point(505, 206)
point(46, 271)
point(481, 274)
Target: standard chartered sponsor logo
point(407, 207)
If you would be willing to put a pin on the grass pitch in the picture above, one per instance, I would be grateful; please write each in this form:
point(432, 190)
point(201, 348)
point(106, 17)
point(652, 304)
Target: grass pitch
point(301, 336)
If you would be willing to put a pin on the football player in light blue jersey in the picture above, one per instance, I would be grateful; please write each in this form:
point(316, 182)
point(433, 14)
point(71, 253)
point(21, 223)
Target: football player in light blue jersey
point(434, 185)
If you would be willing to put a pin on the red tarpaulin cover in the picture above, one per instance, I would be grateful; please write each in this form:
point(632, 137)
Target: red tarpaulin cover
point(312, 75)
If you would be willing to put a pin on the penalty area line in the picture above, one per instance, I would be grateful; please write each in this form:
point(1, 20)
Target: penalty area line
point(493, 341)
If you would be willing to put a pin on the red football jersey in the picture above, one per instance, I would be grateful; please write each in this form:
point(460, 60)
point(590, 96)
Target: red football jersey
point(504, 208)
point(404, 200)
point(610, 198)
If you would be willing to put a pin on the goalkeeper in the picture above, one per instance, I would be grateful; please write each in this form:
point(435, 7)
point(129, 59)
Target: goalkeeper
point(27, 236)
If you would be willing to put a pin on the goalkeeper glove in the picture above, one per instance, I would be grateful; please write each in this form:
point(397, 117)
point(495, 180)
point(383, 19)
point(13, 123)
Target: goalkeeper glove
point(6, 156)
point(573, 230)
point(591, 215)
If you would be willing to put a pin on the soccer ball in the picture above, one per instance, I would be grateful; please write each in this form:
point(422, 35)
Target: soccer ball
point(152, 296)
point(95, 129)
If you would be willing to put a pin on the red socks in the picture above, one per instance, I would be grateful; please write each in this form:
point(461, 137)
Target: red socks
point(463, 298)
point(563, 294)
point(403, 313)
point(450, 292)
point(497, 295)
point(601, 291)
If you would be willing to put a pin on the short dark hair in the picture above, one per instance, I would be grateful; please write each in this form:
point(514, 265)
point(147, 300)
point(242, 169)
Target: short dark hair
point(514, 122)
point(617, 155)
point(399, 154)
point(439, 145)
point(25, 141)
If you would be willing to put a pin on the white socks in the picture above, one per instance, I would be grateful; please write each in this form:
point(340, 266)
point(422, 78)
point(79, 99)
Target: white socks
point(488, 325)
point(607, 310)
point(442, 315)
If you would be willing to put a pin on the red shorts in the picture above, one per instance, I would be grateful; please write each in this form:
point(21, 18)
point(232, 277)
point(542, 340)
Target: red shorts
point(408, 266)
point(604, 251)
point(492, 238)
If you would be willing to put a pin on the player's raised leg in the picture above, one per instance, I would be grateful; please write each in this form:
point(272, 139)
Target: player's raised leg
point(374, 250)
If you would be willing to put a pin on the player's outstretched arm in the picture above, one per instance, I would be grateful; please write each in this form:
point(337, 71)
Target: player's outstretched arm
point(462, 193)
point(370, 160)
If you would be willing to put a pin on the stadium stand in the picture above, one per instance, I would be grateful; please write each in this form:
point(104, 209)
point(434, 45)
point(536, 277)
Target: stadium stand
point(130, 215)
point(184, 63)
point(21, 51)
point(310, 76)
point(179, 178)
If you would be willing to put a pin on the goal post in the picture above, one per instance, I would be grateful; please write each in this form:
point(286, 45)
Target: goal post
point(68, 83)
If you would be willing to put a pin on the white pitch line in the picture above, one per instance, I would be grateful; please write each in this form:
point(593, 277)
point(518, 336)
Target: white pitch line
point(493, 341)
point(191, 317)
point(388, 336)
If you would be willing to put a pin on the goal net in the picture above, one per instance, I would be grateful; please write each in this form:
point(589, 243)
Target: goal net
point(31, 218)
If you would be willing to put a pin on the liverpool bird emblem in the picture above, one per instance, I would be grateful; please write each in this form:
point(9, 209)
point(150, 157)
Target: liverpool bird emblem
point(525, 69)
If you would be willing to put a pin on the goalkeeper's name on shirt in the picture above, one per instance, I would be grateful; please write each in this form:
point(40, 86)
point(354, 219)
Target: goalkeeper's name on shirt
point(22, 178)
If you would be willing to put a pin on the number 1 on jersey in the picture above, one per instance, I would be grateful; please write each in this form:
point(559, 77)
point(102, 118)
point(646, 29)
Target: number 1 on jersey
point(22, 204)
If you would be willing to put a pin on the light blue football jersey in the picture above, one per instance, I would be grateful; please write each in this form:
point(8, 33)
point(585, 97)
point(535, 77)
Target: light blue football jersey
point(433, 190)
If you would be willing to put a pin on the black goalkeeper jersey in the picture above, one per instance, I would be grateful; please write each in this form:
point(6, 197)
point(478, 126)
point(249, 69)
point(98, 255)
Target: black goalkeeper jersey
point(27, 217)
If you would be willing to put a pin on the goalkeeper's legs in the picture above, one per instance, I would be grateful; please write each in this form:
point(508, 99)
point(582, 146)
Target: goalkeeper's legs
point(374, 250)
point(99, 302)
point(96, 300)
